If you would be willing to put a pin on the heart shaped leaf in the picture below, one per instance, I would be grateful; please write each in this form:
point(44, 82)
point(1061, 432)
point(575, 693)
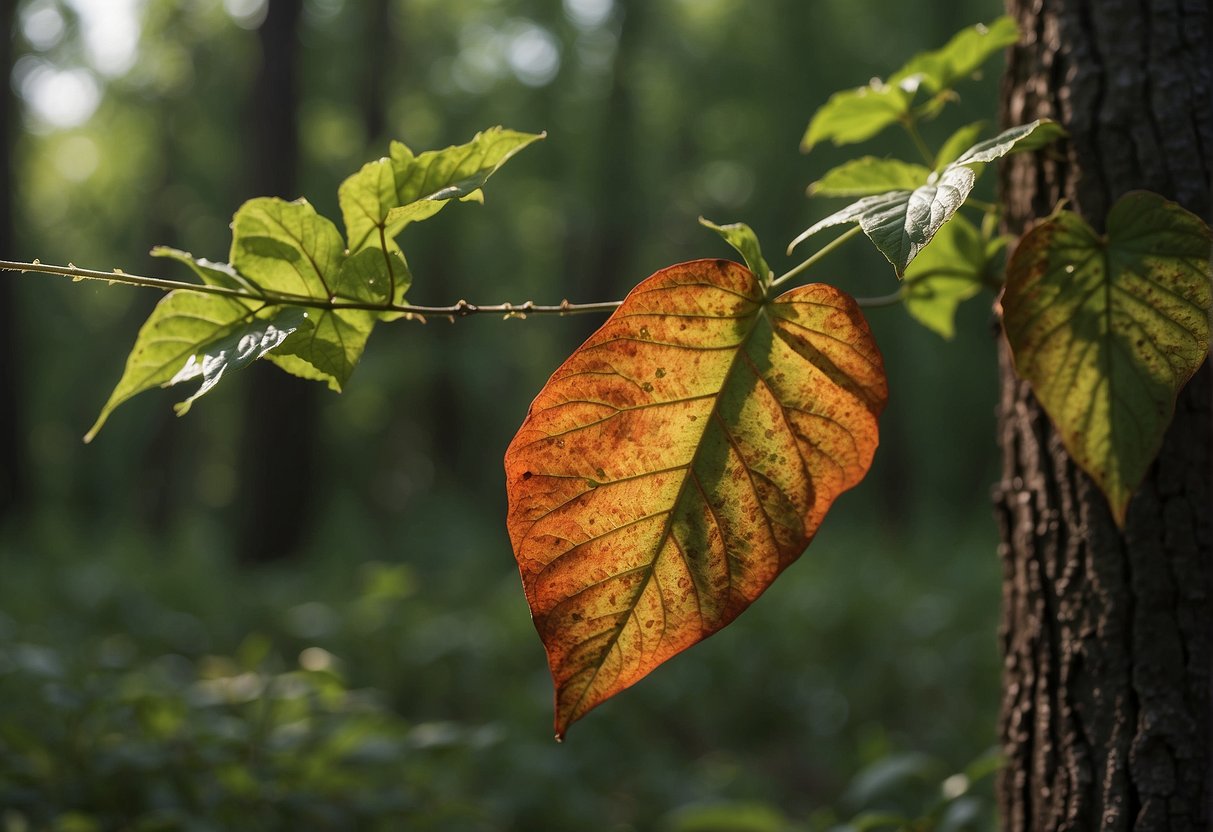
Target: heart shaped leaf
point(678, 461)
point(1108, 329)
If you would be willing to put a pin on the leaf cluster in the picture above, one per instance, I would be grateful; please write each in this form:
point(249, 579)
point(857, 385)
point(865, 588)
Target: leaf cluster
point(297, 292)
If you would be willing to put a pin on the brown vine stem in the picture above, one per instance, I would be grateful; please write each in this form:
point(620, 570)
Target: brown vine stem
point(462, 309)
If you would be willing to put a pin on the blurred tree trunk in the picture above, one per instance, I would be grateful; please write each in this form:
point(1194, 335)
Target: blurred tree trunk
point(276, 480)
point(606, 253)
point(1106, 717)
point(12, 429)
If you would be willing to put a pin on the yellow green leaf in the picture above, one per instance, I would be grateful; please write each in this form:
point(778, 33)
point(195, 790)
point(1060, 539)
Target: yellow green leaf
point(1108, 329)
point(678, 461)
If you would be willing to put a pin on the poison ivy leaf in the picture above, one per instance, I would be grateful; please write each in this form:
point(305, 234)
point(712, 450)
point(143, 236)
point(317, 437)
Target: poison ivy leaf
point(1108, 329)
point(868, 176)
point(388, 194)
point(960, 57)
point(900, 223)
point(191, 335)
point(210, 272)
point(741, 237)
point(947, 273)
point(678, 461)
point(859, 114)
point(958, 143)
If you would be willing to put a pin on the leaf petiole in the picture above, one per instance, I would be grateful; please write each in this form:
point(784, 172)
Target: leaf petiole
point(816, 258)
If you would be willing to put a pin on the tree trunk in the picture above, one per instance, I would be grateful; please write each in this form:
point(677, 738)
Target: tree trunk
point(12, 439)
point(277, 461)
point(1106, 714)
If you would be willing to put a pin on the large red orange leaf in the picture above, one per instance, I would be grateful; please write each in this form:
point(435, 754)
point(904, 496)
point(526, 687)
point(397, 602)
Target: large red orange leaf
point(678, 461)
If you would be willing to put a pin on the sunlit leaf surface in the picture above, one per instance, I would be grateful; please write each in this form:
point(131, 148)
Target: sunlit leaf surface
point(902, 222)
point(678, 462)
point(1109, 328)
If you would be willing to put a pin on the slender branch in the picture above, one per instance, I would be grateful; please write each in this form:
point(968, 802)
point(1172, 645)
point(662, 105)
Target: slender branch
point(816, 258)
point(462, 309)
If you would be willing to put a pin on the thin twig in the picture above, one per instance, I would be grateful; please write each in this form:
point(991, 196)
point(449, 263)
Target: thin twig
point(462, 309)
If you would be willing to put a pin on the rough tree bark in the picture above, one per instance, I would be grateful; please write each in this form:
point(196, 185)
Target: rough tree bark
point(1106, 716)
point(277, 459)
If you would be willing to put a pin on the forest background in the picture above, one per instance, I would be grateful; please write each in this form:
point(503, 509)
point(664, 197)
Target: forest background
point(297, 607)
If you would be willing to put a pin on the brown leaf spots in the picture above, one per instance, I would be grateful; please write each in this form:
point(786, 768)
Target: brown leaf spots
point(679, 460)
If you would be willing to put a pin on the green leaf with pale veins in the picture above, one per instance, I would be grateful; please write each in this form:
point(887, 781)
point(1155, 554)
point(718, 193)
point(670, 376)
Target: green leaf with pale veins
point(741, 237)
point(960, 57)
point(868, 176)
point(900, 223)
point(191, 335)
point(329, 350)
point(947, 273)
point(286, 247)
point(1108, 329)
point(388, 194)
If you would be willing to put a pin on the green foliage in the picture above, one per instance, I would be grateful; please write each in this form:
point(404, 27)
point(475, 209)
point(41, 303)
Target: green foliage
point(867, 176)
point(859, 114)
point(293, 293)
point(948, 272)
point(742, 238)
point(191, 335)
point(1108, 329)
point(901, 223)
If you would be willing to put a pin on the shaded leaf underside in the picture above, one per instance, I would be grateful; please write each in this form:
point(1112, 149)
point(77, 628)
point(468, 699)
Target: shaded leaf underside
point(678, 462)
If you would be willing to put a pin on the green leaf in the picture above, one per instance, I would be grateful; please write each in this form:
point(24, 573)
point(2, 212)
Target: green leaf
point(210, 272)
point(855, 115)
point(958, 143)
point(947, 273)
point(1026, 137)
point(1108, 329)
point(388, 194)
point(960, 57)
point(869, 175)
point(900, 223)
point(236, 350)
point(741, 237)
point(286, 247)
point(191, 335)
